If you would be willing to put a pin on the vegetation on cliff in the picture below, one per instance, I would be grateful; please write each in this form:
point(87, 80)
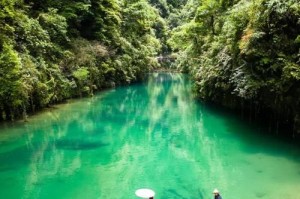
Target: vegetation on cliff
point(242, 54)
point(245, 55)
point(54, 50)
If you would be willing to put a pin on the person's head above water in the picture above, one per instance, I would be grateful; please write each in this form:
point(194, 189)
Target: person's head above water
point(217, 194)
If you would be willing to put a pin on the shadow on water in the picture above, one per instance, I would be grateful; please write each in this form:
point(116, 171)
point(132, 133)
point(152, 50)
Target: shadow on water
point(79, 144)
point(254, 134)
point(172, 193)
point(9, 162)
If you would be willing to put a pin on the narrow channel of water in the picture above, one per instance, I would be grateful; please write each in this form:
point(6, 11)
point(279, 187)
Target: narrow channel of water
point(153, 135)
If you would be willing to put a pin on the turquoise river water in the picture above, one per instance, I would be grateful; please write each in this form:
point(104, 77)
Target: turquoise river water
point(150, 135)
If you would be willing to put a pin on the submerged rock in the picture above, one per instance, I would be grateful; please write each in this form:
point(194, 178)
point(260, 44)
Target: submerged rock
point(260, 194)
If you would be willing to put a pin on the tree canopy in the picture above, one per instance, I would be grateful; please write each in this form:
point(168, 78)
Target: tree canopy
point(54, 50)
point(241, 54)
point(244, 54)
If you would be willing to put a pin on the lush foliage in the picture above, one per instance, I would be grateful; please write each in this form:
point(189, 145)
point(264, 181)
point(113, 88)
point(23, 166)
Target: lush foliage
point(244, 54)
point(53, 50)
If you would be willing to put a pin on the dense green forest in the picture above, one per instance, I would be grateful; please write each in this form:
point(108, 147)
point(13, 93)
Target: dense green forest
point(52, 50)
point(242, 54)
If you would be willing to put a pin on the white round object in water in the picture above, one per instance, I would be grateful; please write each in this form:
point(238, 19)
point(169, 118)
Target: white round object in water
point(144, 193)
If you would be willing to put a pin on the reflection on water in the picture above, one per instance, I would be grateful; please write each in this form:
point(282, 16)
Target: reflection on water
point(146, 135)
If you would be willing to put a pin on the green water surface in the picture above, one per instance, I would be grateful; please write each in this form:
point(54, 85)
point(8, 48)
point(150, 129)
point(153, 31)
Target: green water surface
point(152, 135)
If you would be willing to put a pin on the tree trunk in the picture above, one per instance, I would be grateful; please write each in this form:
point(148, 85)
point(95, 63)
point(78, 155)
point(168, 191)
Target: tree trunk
point(212, 22)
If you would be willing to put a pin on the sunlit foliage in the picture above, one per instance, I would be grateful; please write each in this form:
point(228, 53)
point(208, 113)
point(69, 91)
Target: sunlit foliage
point(53, 50)
point(244, 54)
